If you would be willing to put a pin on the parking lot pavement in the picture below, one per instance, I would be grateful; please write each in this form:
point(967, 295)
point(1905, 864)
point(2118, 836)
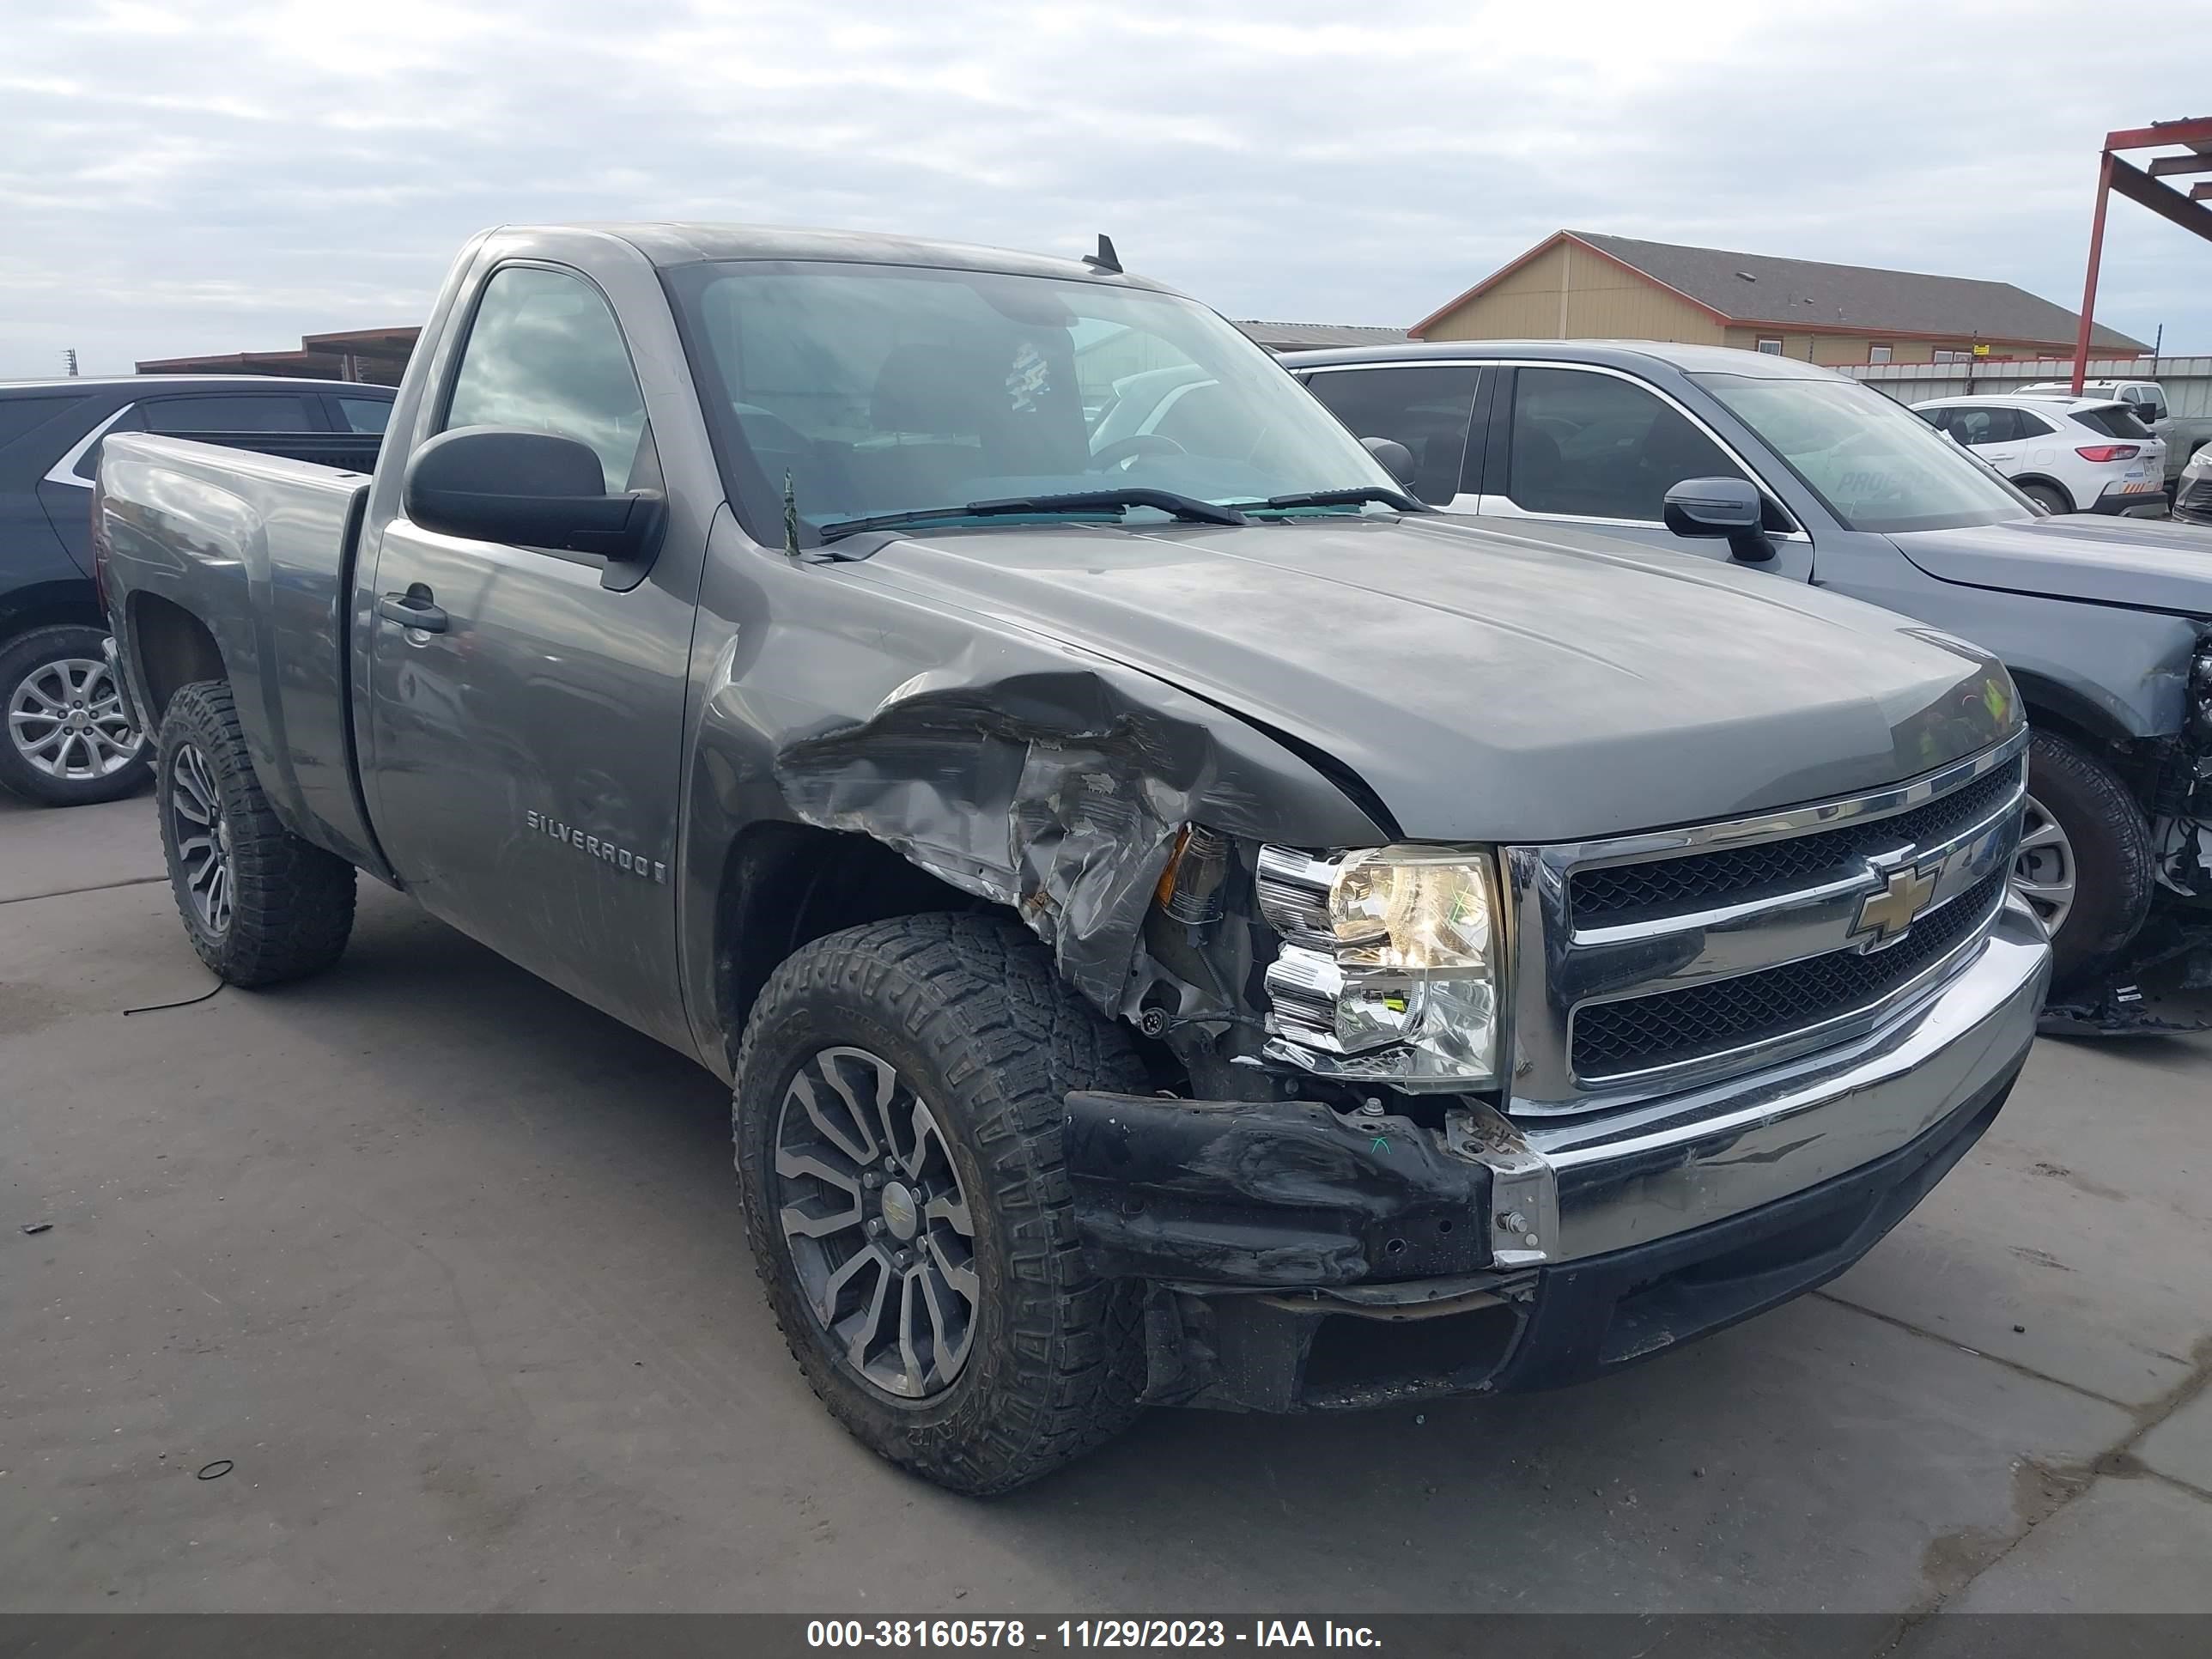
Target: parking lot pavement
point(447, 1269)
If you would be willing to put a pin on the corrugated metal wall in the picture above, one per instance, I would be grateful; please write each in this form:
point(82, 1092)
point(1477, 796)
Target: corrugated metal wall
point(2186, 381)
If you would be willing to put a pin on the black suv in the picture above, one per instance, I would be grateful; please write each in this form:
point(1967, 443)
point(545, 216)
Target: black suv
point(69, 740)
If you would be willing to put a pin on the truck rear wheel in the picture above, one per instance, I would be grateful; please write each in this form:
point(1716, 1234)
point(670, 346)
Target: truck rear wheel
point(898, 1115)
point(260, 905)
point(69, 741)
point(2085, 864)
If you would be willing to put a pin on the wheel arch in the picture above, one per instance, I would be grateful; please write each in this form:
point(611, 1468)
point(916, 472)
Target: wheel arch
point(2023, 479)
point(2060, 710)
point(171, 648)
point(783, 885)
point(48, 605)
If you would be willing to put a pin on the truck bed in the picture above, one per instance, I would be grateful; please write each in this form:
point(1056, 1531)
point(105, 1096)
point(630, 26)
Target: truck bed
point(261, 544)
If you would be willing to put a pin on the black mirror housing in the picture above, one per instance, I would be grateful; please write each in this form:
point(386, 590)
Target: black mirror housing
point(1396, 459)
point(1721, 507)
point(494, 483)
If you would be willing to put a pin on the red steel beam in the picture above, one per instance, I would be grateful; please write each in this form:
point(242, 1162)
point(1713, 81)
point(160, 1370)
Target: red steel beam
point(2106, 163)
point(2200, 192)
point(2164, 200)
point(2196, 131)
point(2165, 167)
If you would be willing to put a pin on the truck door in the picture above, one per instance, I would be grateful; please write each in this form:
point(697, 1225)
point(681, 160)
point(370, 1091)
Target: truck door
point(523, 741)
point(1596, 448)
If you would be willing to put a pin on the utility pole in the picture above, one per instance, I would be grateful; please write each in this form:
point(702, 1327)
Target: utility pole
point(69, 357)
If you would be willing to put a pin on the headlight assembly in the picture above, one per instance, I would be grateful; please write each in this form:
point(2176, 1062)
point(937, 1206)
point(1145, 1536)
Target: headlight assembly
point(1390, 967)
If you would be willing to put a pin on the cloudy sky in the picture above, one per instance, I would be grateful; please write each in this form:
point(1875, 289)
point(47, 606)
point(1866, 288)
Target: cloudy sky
point(178, 177)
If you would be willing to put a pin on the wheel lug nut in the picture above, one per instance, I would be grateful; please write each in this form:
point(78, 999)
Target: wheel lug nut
point(875, 1225)
point(904, 1259)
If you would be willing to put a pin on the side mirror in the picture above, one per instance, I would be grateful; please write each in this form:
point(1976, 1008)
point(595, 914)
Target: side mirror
point(1721, 507)
point(493, 483)
point(1394, 456)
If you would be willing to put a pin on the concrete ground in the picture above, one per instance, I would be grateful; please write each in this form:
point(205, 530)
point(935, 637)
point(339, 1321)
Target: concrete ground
point(447, 1270)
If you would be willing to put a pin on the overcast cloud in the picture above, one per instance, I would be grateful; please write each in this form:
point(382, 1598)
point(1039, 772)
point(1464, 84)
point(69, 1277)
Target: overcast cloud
point(179, 178)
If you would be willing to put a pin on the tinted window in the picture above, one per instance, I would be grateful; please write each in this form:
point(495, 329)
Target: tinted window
point(1599, 447)
point(879, 388)
point(19, 416)
point(1875, 464)
point(1424, 406)
point(1976, 425)
point(2113, 422)
point(132, 419)
point(543, 354)
point(250, 411)
point(363, 414)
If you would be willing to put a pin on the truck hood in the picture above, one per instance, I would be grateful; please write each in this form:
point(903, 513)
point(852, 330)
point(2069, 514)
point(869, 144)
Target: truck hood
point(1488, 685)
point(2147, 563)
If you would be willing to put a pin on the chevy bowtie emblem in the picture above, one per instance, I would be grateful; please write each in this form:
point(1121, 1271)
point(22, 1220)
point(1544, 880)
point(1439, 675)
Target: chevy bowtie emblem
point(1892, 908)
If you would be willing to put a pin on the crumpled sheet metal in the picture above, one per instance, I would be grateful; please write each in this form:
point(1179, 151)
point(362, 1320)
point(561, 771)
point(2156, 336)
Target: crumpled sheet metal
point(1059, 794)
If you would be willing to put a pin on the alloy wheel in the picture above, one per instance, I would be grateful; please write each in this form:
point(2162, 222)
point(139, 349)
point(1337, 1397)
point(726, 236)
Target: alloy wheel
point(2044, 872)
point(202, 835)
point(66, 718)
point(877, 1222)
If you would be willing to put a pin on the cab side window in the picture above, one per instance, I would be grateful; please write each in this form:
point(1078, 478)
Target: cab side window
point(1595, 446)
point(543, 354)
point(1425, 406)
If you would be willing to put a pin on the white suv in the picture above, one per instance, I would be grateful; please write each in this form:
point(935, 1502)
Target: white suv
point(2069, 454)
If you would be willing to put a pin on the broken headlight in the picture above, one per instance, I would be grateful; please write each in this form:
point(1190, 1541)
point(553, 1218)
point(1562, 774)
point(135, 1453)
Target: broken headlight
point(1390, 965)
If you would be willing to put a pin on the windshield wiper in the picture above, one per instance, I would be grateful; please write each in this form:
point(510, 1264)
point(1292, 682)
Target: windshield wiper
point(1358, 496)
point(1186, 507)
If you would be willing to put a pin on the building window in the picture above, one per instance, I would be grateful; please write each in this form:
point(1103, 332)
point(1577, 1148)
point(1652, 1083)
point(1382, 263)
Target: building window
point(1877, 354)
point(1944, 355)
point(1772, 348)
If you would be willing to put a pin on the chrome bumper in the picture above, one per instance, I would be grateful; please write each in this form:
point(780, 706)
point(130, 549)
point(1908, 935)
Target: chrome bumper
point(1566, 1190)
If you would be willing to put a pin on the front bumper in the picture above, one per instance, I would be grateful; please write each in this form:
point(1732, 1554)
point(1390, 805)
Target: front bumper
point(1300, 1259)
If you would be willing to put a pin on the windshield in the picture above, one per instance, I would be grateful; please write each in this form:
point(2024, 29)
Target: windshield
point(1874, 463)
point(894, 389)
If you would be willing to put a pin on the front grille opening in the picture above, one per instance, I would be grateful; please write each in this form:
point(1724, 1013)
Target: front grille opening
point(1643, 1034)
point(1639, 893)
point(1352, 1353)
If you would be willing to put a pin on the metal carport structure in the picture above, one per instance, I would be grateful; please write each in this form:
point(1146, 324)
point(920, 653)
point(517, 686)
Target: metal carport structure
point(2145, 186)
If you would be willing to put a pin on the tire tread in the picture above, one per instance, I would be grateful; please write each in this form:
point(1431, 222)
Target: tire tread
point(980, 994)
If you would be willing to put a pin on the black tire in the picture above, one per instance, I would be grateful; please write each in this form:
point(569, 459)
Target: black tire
point(27, 667)
point(290, 902)
point(2114, 870)
point(2050, 497)
point(970, 1012)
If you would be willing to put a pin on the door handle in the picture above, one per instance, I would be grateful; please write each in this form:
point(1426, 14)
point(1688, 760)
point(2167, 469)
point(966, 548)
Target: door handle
point(412, 609)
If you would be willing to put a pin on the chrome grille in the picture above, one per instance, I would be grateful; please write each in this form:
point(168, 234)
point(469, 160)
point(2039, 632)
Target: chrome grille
point(1622, 1038)
point(1628, 892)
point(1647, 965)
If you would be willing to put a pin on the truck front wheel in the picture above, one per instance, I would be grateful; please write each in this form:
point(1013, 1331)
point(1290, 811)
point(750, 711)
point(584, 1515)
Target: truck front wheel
point(260, 905)
point(898, 1115)
point(2085, 864)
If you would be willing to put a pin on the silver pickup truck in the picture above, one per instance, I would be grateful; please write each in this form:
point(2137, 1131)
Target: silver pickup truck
point(1183, 922)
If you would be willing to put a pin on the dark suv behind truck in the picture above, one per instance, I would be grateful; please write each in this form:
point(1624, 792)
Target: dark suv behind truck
point(1766, 463)
point(68, 740)
point(1183, 922)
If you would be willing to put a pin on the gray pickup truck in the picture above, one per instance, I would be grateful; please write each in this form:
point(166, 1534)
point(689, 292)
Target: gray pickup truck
point(1772, 464)
point(1183, 922)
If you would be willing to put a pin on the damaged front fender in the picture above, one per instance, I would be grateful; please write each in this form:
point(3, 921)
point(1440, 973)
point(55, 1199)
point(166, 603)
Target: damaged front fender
point(1059, 793)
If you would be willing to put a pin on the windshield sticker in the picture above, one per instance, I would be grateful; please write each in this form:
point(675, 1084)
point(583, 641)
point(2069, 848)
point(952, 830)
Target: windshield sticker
point(1029, 380)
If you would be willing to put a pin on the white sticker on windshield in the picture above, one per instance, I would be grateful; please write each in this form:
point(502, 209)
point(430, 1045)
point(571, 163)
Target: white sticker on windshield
point(1029, 379)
